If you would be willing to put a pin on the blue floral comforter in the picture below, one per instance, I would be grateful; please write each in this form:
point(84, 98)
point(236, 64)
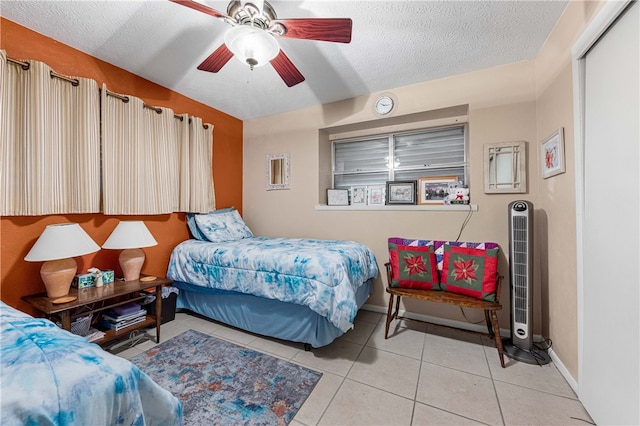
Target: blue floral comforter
point(52, 377)
point(321, 274)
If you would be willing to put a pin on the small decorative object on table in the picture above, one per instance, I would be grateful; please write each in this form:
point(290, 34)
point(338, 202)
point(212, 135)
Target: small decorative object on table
point(84, 280)
point(98, 276)
point(459, 195)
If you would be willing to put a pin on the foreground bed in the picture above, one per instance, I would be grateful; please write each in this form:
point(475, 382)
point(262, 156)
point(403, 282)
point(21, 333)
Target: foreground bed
point(302, 290)
point(50, 376)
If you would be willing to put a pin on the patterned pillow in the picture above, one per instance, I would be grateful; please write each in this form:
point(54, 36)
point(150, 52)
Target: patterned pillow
point(193, 226)
point(470, 271)
point(413, 267)
point(222, 225)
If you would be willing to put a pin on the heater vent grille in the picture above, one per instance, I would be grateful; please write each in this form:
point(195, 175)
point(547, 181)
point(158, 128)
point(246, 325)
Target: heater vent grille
point(520, 268)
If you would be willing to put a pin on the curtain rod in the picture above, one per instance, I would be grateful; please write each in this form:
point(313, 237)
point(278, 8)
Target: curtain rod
point(74, 81)
point(26, 65)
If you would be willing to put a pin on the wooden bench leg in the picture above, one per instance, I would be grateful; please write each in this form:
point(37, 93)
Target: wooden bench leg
point(391, 314)
point(496, 336)
point(487, 320)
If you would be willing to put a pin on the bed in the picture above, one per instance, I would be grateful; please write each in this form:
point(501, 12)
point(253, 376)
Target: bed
point(50, 376)
point(296, 289)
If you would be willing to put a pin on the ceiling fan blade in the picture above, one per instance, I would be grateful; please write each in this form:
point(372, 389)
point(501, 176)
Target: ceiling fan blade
point(216, 60)
point(200, 8)
point(285, 68)
point(322, 29)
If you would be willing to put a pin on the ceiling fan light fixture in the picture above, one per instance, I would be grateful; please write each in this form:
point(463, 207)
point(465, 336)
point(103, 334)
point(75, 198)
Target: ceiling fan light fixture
point(253, 46)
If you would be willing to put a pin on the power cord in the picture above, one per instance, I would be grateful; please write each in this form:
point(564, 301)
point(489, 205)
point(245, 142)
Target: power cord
point(466, 221)
point(468, 320)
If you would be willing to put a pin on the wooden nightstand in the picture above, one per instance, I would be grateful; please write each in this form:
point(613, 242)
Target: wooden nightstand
point(103, 298)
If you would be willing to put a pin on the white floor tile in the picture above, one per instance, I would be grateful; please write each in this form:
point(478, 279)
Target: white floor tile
point(358, 404)
point(319, 400)
point(545, 378)
point(369, 316)
point(425, 415)
point(456, 352)
point(458, 392)
point(527, 406)
point(360, 332)
point(336, 358)
point(388, 371)
point(280, 348)
point(404, 341)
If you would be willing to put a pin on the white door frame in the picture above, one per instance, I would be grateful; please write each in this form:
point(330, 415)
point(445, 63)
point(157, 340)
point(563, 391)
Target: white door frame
point(598, 26)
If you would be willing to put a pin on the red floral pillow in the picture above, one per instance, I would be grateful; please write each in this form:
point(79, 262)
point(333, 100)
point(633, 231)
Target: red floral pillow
point(413, 267)
point(470, 271)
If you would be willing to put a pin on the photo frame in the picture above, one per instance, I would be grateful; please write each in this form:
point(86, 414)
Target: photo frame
point(552, 154)
point(337, 197)
point(434, 189)
point(359, 195)
point(376, 195)
point(401, 192)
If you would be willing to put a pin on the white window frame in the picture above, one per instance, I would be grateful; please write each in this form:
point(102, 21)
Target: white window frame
point(392, 170)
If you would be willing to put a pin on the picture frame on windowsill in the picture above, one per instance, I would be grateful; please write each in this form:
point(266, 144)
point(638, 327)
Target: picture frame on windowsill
point(401, 192)
point(337, 197)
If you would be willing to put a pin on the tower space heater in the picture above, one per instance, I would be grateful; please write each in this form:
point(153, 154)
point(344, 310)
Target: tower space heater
point(520, 346)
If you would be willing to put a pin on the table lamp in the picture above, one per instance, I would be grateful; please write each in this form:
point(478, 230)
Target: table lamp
point(130, 235)
point(57, 245)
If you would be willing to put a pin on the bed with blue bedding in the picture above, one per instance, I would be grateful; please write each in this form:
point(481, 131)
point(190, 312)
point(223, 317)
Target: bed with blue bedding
point(302, 290)
point(49, 376)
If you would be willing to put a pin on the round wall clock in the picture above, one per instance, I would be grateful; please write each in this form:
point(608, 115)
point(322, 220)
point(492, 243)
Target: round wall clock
point(384, 105)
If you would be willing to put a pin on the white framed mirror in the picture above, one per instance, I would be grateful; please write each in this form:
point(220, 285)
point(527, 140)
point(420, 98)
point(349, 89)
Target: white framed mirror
point(505, 167)
point(278, 172)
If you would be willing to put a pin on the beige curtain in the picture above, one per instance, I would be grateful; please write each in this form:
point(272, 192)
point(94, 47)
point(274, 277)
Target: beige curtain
point(139, 157)
point(182, 138)
point(50, 141)
point(201, 189)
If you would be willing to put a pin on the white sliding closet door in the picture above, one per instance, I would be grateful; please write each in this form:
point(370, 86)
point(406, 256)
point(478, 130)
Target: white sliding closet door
point(609, 381)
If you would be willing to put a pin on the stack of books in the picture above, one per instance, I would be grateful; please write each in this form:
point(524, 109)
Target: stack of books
point(123, 316)
point(94, 334)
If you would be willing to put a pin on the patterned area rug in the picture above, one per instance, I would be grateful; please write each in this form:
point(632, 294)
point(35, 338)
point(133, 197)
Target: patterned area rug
point(223, 384)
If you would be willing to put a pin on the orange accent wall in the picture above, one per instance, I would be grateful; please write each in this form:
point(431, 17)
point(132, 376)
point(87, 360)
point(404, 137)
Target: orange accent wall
point(19, 233)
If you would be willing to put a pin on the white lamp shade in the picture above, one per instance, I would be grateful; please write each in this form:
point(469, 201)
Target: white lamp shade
point(61, 241)
point(129, 235)
point(251, 45)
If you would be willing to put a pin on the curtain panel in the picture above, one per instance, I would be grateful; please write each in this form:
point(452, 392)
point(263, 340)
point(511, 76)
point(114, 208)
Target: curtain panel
point(49, 141)
point(139, 157)
point(201, 190)
point(153, 161)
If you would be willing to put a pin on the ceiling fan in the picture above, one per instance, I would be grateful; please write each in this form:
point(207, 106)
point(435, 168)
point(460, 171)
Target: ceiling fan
point(255, 27)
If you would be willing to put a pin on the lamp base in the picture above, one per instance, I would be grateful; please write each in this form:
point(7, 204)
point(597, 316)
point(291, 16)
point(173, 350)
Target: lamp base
point(57, 276)
point(131, 261)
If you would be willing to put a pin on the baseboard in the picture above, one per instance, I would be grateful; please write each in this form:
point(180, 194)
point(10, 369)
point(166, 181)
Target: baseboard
point(563, 370)
point(481, 328)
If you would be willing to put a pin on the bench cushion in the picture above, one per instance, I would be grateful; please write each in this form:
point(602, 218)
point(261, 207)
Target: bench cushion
point(413, 267)
point(470, 271)
point(488, 248)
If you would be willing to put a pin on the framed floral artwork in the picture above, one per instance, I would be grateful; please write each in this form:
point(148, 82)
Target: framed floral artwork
point(375, 195)
point(552, 153)
point(358, 195)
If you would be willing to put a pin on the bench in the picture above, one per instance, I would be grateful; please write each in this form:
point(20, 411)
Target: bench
point(490, 307)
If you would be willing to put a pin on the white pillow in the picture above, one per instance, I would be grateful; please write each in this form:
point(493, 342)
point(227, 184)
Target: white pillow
point(224, 225)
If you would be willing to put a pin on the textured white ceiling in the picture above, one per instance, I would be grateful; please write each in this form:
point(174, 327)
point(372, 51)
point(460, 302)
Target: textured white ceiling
point(394, 43)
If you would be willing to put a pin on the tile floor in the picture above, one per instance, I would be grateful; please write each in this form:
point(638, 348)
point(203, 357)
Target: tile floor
point(422, 375)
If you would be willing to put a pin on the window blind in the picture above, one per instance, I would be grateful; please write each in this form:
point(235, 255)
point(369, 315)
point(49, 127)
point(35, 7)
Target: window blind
point(401, 156)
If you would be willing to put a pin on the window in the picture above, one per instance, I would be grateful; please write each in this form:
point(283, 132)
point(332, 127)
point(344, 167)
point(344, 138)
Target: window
point(400, 156)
